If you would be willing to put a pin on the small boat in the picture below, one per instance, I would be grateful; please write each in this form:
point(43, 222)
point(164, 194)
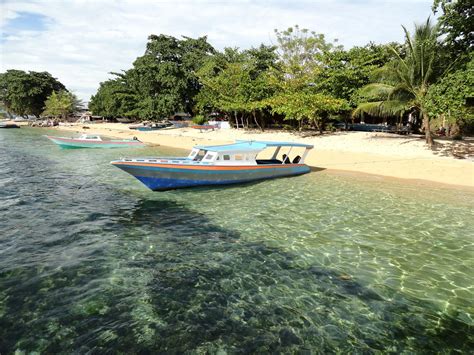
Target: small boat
point(94, 141)
point(8, 125)
point(204, 127)
point(179, 124)
point(217, 165)
point(125, 119)
point(152, 127)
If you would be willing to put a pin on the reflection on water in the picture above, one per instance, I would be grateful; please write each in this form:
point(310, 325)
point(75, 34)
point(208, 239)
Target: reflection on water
point(91, 261)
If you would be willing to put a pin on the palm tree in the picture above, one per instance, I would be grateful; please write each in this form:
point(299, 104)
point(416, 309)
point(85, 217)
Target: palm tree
point(412, 75)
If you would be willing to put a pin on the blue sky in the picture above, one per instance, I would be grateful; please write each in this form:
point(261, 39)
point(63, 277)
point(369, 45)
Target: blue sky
point(81, 41)
point(25, 21)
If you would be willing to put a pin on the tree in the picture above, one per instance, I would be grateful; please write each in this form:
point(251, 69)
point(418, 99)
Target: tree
point(235, 82)
point(306, 105)
point(298, 94)
point(25, 93)
point(346, 71)
point(161, 82)
point(164, 78)
point(61, 104)
point(212, 95)
point(115, 98)
point(457, 23)
point(421, 66)
point(449, 97)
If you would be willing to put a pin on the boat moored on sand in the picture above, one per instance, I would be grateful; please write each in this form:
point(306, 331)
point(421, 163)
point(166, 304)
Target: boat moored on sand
point(94, 141)
point(218, 165)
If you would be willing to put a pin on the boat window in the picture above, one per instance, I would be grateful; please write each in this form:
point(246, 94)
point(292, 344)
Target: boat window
point(238, 157)
point(209, 156)
point(200, 155)
point(226, 157)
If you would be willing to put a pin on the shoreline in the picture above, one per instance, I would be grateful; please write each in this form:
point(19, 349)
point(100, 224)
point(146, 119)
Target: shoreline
point(381, 154)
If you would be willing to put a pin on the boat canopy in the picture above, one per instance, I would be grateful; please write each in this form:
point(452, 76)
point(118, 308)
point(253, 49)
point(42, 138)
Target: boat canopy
point(250, 146)
point(280, 144)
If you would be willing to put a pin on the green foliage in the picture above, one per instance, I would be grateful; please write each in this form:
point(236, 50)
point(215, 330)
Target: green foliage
point(304, 79)
point(305, 105)
point(384, 109)
point(160, 83)
point(236, 82)
point(457, 23)
point(449, 97)
point(302, 93)
point(302, 51)
point(25, 93)
point(61, 104)
point(114, 99)
point(200, 119)
point(421, 66)
point(344, 71)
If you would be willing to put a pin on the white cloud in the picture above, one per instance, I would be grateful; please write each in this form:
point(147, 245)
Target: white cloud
point(85, 40)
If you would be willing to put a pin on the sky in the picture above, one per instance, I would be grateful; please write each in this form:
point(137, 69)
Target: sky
point(81, 41)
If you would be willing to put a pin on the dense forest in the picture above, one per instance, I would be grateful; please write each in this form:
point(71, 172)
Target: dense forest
point(304, 81)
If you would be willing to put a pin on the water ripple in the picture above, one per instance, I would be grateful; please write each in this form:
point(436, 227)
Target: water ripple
point(91, 262)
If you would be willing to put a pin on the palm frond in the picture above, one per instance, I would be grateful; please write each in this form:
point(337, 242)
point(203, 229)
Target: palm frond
point(375, 91)
point(384, 109)
point(402, 92)
point(411, 47)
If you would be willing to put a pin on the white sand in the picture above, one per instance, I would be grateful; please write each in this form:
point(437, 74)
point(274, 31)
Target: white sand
point(383, 154)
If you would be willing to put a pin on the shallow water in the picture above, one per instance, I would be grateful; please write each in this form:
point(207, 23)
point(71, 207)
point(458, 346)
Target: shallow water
point(92, 261)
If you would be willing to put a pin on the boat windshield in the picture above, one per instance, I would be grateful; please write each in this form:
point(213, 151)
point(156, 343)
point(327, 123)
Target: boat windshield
point(200, 155)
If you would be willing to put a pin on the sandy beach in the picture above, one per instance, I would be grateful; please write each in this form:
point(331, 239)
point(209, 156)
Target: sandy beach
point(405, 157)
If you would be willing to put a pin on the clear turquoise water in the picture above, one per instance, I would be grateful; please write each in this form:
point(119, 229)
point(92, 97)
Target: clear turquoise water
point(92, 261)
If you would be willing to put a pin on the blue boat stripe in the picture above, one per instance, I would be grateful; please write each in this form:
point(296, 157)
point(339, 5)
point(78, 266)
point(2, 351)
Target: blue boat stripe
point(213, 172)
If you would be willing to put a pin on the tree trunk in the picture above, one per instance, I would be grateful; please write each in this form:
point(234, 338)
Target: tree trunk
point(255, 119)
point(426, 125)
point(236, 120)
point(324, 119)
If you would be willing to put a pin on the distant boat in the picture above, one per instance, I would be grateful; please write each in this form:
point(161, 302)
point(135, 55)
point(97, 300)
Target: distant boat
point(217, 165)
point(93, 141)
point(180, 124)
point(8, 125)
point(125, 119)
point(372, 127)
point(367, 127)
point(204, 127)
point(152, 127)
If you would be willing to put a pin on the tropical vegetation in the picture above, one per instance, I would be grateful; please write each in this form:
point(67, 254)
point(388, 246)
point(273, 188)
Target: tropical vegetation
point(61, 104)
point(24, 94)
point(406, 88)
point(303, 81)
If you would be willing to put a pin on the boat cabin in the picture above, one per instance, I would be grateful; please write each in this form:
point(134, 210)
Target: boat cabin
point(251, 153)
point(90, 137)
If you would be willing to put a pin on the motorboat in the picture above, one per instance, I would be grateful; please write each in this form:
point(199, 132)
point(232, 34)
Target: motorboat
point(94, 141)
point(204, 127)
point(219, 165)
point(151, 127)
